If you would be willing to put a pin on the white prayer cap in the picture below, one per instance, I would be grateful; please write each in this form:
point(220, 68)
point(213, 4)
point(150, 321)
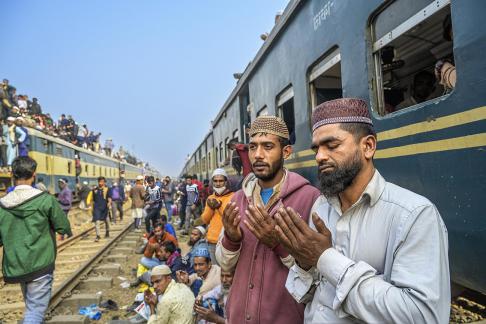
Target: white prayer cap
point(161, 270)
point(140, 177)
point(201, 229)
point(219, 171)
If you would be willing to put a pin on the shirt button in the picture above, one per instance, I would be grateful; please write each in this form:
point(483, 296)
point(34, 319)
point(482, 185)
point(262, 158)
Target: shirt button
point(248, 317)
point(251, 286)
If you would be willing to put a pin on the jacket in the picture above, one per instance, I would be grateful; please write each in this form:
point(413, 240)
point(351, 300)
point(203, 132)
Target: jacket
point(214, 217)
point(29, 219)
point(258, 293)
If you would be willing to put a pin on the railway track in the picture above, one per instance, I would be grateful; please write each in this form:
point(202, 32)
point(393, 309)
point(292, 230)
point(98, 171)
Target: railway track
point(76, 257)
point(469, 307)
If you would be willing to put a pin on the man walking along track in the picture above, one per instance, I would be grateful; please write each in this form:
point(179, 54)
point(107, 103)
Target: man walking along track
point(29, 219)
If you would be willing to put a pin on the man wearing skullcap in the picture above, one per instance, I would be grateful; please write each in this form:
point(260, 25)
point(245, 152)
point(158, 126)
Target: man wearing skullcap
point(373, 252)
point(196, 241)
point(207, 275)
point(249, 244)
point(172, 302)
point(215, 205)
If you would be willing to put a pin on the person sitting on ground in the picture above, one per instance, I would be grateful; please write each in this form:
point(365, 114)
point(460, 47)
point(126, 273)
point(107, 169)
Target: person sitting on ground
point(154, 242)
point(207, 275)
point(423, 88)
point(168, 226)
point(28, 219)
point(196, 242)
point(215, 205)
point(167, 254)
point(211, 306)
point(172, 302)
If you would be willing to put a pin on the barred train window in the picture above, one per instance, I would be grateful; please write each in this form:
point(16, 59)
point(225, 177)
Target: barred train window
point(413, 53)
point(285, 110)
point(325, 79)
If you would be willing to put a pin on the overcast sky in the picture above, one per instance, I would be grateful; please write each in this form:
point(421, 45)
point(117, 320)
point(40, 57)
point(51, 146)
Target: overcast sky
point(150, 74)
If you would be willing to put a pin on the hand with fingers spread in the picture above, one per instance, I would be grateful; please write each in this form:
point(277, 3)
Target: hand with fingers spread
point(262, 225)
point(304, 244)
point(231, 222)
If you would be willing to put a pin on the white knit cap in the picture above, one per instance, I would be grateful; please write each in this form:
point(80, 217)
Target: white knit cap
point(201, 229)
point(161, 270)
point(219, 171)
point(140, 177)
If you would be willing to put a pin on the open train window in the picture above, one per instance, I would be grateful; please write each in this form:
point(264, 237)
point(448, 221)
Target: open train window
point(325, 79)
point(69, 167)
point(413, 53)
point(285, 109)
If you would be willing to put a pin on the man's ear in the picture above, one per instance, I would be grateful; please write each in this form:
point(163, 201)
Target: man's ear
point(368, 144)
point(287, 150)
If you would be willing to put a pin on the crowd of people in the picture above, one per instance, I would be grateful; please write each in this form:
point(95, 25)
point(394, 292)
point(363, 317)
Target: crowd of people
point(18, 113)
point(277, 250)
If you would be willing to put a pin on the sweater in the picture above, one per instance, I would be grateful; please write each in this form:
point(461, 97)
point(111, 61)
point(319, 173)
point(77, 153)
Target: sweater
point(258, 294)
point(214, 217)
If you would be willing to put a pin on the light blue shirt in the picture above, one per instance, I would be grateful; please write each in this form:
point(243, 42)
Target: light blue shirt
point(266, 194)
point(388, 264)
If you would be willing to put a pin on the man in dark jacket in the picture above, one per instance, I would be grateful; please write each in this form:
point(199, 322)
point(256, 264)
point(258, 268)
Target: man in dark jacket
point(100, 197)
point(35, 108)
point(29, 218)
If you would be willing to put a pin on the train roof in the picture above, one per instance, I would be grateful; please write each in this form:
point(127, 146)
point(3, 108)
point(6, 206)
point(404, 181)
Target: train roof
point(276, 31)
point(37, 133)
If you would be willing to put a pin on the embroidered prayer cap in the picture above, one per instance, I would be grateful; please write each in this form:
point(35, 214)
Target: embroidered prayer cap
point(219, 171)
point(269, 125)
point(201, 252)
point(161, 270)
point(344, 110)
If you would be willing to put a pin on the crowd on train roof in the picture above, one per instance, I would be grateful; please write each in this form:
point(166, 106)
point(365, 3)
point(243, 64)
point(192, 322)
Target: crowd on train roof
point(18, 113)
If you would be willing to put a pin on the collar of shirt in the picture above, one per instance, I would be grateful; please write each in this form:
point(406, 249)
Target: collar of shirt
point(372, 193)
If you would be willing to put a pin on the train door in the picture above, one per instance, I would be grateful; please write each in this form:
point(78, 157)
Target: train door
point(285, 110)
point(325, 79)
point(50, 181)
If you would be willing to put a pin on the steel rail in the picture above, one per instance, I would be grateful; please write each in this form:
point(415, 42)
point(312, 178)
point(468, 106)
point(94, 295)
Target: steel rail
point(64, 289)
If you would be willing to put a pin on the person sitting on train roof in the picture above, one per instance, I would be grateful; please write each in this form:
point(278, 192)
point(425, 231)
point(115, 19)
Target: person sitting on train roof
point(422, 89)
point(207, 276)
point(155, 240)
point(28, 218)
point(374, 252)
point(249, 243)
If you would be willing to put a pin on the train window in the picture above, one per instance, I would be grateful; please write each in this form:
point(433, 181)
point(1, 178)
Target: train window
point(413, 57)
point(325, 79)
point(263, 111)
point(58, 150)
point(86, 169)
point(235, 134)
point(94, 170)
point(285, 106)
point(70, 166)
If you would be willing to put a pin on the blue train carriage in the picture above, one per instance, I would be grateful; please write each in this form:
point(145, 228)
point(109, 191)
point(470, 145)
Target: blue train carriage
point(431, 139)
point(57, 159)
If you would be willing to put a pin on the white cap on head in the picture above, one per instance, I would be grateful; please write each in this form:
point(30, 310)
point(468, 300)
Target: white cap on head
point(201, 229)
point(161, 270)
point(85, 182)
point(11, 118)
point(140, 177)
point(219, 171)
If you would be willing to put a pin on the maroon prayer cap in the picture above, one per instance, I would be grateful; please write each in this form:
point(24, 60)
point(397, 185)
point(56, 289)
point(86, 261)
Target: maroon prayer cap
point(344, 110)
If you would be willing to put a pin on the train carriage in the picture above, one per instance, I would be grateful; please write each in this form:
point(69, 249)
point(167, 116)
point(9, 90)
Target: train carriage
point(381, 51)
point(57, 159)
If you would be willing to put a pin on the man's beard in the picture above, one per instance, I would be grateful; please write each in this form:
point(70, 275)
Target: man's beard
point(191, 242)
point(272, 172)
point(224, 290)
point(335, 182)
